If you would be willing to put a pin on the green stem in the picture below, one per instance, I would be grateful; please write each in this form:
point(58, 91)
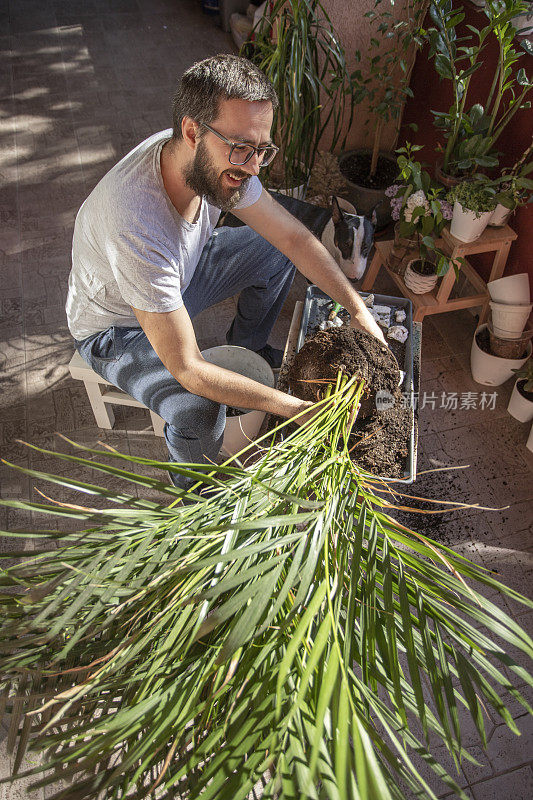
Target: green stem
point(509, 114)
point(501, 77)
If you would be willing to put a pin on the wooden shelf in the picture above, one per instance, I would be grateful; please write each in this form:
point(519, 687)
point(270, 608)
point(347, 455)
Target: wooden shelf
point(438, 300)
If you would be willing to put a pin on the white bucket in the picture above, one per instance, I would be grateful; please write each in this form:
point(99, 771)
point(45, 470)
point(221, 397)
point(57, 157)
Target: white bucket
point(511, 289)
point(508, 321)
point(500, 216)
point(519, 406)
point(242, 429)
point(465, 225)
point(492, 370)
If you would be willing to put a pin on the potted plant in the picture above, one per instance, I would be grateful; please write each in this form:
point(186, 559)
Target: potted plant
point(473, 204)
point(471, 133)
point(420, 210)
point(255, 625)
point(382, 82)
point(513, 189)
point(521, 402)
point(296, 47)
point(491, 369)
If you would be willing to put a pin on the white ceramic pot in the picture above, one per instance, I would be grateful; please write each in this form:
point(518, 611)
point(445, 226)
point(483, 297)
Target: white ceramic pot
point(465, 225)
point(508, 321)
point(297, 192)
point(492, 370)
point(519, 406)
point(512, 289)
point(418, 284)
point(242, 429)
point(500, 216)
point(529, 443)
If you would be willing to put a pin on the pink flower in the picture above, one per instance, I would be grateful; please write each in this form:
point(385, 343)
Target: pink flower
point(446, 209)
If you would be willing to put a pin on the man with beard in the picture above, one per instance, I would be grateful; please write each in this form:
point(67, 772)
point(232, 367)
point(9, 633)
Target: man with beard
point(146, 259)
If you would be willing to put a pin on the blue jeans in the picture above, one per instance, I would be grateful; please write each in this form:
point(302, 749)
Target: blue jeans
point(234, 260)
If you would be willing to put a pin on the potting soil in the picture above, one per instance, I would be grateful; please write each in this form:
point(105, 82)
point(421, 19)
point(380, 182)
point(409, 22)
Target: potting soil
point(483, 342)
point(380, 438)
point(356, 168)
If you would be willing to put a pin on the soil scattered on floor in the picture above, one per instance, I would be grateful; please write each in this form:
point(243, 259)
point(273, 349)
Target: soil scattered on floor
point(381, 437)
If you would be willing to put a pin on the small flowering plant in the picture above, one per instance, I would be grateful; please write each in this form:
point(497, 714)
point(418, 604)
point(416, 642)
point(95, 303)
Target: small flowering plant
point(420, 207)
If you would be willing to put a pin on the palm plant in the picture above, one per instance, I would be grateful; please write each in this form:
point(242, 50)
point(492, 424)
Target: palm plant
point(279, 624)
point(297, 48)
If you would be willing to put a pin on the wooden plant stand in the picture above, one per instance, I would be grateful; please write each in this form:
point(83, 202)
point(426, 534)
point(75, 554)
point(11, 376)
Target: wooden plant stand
point(497, 240)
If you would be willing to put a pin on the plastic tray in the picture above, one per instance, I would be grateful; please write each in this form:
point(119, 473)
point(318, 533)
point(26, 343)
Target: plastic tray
point(317, 306)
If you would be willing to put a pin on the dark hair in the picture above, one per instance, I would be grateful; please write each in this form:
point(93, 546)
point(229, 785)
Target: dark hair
point(223, 77)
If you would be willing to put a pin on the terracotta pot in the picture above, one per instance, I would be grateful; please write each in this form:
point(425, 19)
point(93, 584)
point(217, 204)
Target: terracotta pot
point(419, 284)
point(446, 180)
point(504, 347)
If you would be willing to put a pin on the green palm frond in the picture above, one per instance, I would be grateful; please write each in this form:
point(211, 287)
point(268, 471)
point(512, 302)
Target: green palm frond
point(280, 624)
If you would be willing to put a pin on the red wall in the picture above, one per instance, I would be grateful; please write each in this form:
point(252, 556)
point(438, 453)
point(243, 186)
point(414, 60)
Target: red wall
point(432, 93)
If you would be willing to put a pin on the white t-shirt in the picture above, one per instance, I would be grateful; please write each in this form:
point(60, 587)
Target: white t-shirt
point(131, 247)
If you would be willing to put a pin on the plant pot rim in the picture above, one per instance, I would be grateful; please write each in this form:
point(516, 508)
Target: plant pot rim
point(376, 194)
point(467, 210)
point(520, 383)
point(422, 274)
point(500, 358)
point(367, 151)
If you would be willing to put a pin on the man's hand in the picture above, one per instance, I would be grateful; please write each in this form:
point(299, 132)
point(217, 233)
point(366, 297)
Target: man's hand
point(363, 320)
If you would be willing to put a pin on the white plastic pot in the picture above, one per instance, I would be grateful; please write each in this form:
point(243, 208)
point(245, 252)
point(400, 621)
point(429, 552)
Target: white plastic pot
point(242, 429)
point(511, 289)
point(465, 225)
point(519, 406)
point(500, 216)
point(508, 321)
point(489, 370)
point(418, 284)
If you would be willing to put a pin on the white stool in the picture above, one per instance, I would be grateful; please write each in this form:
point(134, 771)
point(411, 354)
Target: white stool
point(102, 398)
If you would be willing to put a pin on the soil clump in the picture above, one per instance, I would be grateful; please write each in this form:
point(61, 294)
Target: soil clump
point(380, 436)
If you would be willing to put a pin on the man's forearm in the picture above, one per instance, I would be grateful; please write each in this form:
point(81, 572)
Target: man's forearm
point(312, 259)
point(223, 386)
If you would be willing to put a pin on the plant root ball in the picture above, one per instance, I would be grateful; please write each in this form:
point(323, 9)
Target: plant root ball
point(351, 351)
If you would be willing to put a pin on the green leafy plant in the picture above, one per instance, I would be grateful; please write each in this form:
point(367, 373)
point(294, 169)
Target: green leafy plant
point(526, 373)
point(421, 208)
point(513, 187)
point(474, 195)
point(383, 78)
point(471, 133)
point(299, 51)
point(280, 624)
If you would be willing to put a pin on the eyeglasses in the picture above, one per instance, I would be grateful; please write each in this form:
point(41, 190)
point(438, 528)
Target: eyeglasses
point(240, 153)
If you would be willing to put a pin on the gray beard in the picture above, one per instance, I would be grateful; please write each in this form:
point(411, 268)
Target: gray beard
point(202, 178)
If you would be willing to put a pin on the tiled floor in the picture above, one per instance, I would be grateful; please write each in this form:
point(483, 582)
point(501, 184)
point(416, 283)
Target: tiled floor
point(81, 83)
